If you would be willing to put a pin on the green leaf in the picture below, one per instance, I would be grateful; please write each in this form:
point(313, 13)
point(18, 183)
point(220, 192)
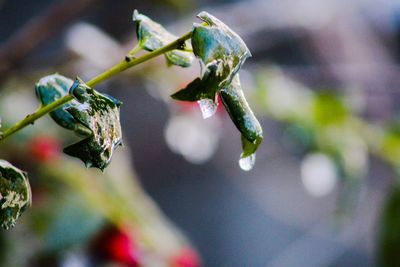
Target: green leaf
point(152, 36)
point(53, 87)
point(100, 114)
point(242, 116)
point(221, 51)
point(179, 58)
point(328, 108)
point(216, 41)
point(15, 194)
point(389, 241)
point(205, 87)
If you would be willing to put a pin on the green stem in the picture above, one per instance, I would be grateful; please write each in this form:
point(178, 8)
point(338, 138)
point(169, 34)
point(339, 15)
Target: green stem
point(120, 67)
point(135, 50)
point(31, 118)
point(126, 64)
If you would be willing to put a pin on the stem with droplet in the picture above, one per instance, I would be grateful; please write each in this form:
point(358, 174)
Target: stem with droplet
point(120, 67)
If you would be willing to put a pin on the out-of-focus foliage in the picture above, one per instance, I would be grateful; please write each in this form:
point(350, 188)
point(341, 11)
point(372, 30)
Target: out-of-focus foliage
point(389, 249)
point(321, 122)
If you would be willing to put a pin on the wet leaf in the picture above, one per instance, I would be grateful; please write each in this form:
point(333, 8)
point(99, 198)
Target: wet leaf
point(179, 58)
point(221, 51)
point(201, 88)
point(15, 194)
point(53, 87)
point(100, 114)
point(151, 36)
point(242, 116)
point(216, 41)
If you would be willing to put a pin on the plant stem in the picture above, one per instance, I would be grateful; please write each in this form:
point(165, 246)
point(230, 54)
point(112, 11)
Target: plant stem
point(135, 50)
point(123, 65)
point(31, 118)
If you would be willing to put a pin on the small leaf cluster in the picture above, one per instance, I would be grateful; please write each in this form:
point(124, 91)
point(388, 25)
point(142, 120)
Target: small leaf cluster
point(90, 114)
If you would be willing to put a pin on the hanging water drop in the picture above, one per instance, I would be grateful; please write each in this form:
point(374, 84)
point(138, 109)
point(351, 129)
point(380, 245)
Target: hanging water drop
point(208, 107)
point(247, 163)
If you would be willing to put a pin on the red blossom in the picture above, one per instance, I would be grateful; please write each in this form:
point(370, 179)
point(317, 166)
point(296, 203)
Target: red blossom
point(186, 257)
point(44, 148)
point(117, 246)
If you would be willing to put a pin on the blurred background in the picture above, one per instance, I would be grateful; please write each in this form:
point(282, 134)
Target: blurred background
point(324, 82)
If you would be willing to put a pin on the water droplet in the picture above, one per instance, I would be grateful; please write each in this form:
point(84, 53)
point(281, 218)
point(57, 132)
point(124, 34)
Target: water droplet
point(247, 163)
point(208, 107)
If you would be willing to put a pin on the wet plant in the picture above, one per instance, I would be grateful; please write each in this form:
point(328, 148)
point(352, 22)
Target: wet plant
point(76, 106)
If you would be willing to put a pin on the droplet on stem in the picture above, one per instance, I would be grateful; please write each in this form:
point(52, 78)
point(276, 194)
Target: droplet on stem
point(247, 163)
point(208, 107)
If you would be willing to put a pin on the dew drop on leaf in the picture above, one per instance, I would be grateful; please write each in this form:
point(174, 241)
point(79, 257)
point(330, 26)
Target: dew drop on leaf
point(247, 163)
point(208, 107)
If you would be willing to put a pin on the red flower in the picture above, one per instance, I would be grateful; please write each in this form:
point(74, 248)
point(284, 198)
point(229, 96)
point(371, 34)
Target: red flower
point(186, 257)
point(44, 148)
point(117, 246)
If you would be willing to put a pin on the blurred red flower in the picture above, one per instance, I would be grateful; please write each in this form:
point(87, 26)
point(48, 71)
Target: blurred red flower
point(186, 257)
point(44, 148)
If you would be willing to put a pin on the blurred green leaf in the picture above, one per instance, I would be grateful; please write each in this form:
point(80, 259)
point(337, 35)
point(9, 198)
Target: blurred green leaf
point(391, 145)
point(73, 223)
point(389, 250)
point(328, 108)
point(53, 87)
point(100, 114)
point(15, 194)
point(152, 36)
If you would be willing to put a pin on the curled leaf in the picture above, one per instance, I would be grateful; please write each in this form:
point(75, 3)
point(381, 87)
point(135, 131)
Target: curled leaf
point(15, 194)
point(205, 87)
point(100, 114)
point(216, 41)
point(242, 116)
point(222, 52)
point(151, 36)
point(53, 87)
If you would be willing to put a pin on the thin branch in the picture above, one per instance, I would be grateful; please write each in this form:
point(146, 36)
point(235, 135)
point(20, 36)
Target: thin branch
point(120, 67)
